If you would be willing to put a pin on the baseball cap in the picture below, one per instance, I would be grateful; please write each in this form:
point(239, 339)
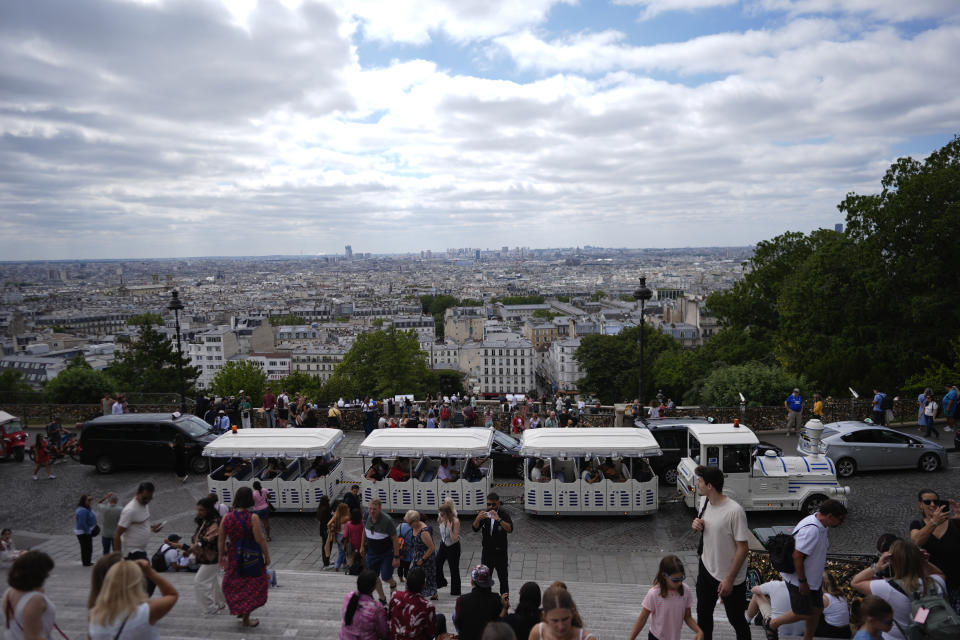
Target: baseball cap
point(481, 576)
point(796, 390)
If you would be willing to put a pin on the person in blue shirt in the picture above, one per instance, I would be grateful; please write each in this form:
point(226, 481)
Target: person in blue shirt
point(85, 527)
point(794, 406)
point(949, 405)
point(879, 414)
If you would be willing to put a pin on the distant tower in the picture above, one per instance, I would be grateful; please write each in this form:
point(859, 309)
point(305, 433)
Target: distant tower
point(348, 250)
point(838, 227)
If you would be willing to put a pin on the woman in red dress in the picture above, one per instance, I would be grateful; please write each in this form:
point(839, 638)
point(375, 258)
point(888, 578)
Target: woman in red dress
point(41, 455)
point(243, 594)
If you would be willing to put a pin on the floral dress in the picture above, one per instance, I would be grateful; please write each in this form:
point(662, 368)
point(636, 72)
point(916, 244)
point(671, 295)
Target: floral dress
point(429, 565)
point(243, 595)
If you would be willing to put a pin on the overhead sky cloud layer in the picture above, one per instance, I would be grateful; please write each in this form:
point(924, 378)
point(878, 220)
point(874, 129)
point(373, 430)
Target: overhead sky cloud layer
point(152, 128)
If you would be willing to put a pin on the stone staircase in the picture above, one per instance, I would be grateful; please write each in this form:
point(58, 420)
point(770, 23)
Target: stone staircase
point(307, 604)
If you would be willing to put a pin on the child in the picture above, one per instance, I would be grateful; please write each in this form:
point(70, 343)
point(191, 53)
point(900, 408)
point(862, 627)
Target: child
point(668, 603)
point(877, 618)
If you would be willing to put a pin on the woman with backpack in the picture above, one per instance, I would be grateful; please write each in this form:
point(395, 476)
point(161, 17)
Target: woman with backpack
point(910, 573)
point(244, 586)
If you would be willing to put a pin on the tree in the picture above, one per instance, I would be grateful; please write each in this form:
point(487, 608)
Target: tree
point(447, 382)
point(612, 363)
point(13, 388)
point(759, 383)
point(237, 376)
point(303, 383)
point(382, 364)
point(149, 365)
point(438, 305)
point(598, 295)
point(288, 320)
point(145, 318)
point(79, 384)
point(545, 314)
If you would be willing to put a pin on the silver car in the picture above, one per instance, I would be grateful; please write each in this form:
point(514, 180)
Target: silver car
point(861, 446)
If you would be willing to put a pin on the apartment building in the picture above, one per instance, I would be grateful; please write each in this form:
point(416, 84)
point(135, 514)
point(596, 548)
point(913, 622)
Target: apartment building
point(464, 324)
point(276, 366)
point(317, 361)
point(210, 352)
point(562, 365)
point(502, 365)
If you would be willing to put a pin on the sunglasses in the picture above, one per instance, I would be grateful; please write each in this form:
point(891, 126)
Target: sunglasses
point(491, 505)
point(680, 578)
point(929, 502)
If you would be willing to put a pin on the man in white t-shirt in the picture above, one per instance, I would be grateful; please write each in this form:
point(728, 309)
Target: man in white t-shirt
point(723, 566)
point(809, 560)
point(133, 529)
point(774, 595)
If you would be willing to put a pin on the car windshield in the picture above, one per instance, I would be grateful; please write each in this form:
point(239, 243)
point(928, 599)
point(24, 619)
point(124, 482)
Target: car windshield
point(193, 426)
point(505, 440)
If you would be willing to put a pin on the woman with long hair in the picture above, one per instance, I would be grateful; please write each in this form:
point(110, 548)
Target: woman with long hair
point(910, 572)
point(261, 506)
point(560, 618)
point(363, 617)
point(449, 551)
point(243, 593)
point(98, 573)
point(29, 613)
point(204, 549)
point(424, 553)
point(352, 539)
point(85, 527)
point(335, 533)
point(122, 610)
point(938, 532)
point(667, 604)
point(835, 617)
point(323, 517)
point(41, 455)
point(527, 614)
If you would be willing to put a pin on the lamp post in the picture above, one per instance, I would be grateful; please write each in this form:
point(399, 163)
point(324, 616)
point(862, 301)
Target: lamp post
point(642, 294)
point(176, 306)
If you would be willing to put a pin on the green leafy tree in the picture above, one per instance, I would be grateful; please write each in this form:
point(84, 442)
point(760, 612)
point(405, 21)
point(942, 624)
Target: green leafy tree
point(79, 384)
point(545, 314)
point(759, 383)
point(13, 388)
point(303, 383)
point(146, 318)
point(382, 364)
point(149, 365)
point(447, 381)
point(598, 295)
point(240, 375)
point(288, 320)
point(611, 364)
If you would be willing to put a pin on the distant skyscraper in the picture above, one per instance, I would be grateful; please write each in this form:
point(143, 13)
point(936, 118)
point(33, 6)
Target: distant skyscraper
point(349, 251)
point(838, 227)
point(477, 254)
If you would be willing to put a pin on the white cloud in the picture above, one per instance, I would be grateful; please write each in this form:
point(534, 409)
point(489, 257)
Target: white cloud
point(892, 10)
point(653, 8)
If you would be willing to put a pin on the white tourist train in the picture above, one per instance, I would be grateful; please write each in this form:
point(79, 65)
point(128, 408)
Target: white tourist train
point(759, 481)
point(297, 466)
point(420, 468)
point(589, 471)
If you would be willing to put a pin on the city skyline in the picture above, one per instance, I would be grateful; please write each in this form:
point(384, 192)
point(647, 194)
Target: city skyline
point(175, 129)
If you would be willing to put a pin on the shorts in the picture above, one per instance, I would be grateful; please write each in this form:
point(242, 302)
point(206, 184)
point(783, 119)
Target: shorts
point(382, 563)
point(263, 513)
point(805, 604)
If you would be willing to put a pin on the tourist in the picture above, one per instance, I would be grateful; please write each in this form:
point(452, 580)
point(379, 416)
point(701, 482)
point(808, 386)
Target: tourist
point(877, 617)
point(667, 604)
point(527, 614)
point(204, 548)
point(723, 554)
point(449, 552)
point(363, 618)
point(85, 528)
point(109, 516)
point(405, 532)
point(323, 518)
point(335, 534)
point(910, 572)
point(352, 497)
point(179, 446)
point(475, 609)
point(352, 541)
point(558, 618)
point(494, 523)
point(28, 611)
point(378, 470)
point(122, 610)
point(938, 532)
point(245, 406)
point(773, 595)
point(283, 409)
point(380, 546)
point(424, 552)
point(133, 528)
point(794, 406)
point(412, 616)
point(809, 560)
point(269, 408)
point(98, 573)
point(41, 456)
point(8, 549)
point(243, 593)
point(261, 506)
point(835, 619)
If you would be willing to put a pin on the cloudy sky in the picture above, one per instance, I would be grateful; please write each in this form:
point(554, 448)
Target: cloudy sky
point(153, 128)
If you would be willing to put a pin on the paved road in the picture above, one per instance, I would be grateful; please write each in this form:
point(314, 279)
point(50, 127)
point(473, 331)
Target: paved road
point(880, 502)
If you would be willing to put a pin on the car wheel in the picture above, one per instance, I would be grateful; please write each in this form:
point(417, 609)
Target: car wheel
point(198, 465)
point(18, 454)
point(670, 476)
point(104, 464)
point(846, 467)
point(812, 504)
point(929, 462)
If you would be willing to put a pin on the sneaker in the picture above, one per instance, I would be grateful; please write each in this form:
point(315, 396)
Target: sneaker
point(35, 478)
point(184, 478)
point(51, 477)
point(947, 429)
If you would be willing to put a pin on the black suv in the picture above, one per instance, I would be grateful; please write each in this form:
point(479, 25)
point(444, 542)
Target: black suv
point(143, 440)
point(671, 435)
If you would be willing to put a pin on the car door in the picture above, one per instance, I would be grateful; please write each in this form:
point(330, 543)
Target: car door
point(902, 450)
point(867, 448)
point(157, 441)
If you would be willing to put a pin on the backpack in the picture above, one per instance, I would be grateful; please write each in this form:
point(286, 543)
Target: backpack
point(158, 562)
point(781, 548)
point(941, 623)
point(281, 402)
point(886, 402)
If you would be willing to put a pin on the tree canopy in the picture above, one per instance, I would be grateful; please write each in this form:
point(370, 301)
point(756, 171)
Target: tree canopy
point(145, 318)
point(382, 364)
point(79, 383)
point(237, 376)
point(149, 365)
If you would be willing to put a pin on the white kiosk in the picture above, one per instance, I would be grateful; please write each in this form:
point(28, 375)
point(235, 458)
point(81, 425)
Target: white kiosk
point(299, 486)
point(423, 450)
point(570, 457)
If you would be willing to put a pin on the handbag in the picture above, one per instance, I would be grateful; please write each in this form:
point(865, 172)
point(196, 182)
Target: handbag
point(95, 531)
point(249, 555)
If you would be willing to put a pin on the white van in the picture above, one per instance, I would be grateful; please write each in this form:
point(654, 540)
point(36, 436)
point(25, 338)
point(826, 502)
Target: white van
point(418, 454)
point(758, 481)
point(563, 466)
point(307, 468)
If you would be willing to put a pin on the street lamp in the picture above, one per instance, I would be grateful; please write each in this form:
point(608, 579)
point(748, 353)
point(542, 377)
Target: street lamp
point(642, 294)
point(176, 306)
